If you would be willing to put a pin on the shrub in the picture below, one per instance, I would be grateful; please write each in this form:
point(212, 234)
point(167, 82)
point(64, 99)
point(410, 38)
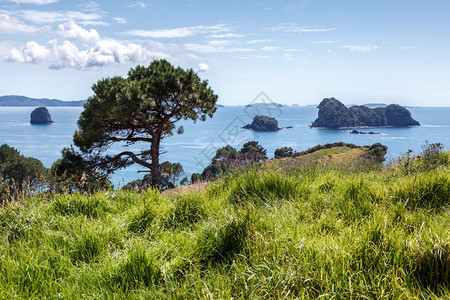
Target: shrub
point(283, 152)
point(433, 156)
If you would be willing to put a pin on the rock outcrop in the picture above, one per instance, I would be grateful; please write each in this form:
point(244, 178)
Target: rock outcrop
point(41, 115)
point(263, 123)
point(334, 114)
point(354, 131)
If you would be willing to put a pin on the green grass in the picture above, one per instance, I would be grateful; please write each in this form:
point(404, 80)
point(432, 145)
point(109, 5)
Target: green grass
point(298, 232)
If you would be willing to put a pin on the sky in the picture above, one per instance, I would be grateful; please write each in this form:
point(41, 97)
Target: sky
point(296, 52)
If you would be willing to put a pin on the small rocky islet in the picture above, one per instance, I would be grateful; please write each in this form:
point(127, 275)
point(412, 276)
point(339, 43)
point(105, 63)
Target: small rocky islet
point(41, 115)
point(263, 123)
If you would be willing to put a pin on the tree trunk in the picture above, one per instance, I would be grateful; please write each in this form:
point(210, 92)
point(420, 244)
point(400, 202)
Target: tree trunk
point(155, 170)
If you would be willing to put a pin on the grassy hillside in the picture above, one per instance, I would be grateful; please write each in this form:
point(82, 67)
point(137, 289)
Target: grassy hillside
point(290, 229)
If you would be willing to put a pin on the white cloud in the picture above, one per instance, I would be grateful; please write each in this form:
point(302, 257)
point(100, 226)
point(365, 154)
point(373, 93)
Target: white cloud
point(257, 41)
point(271, 48)
point(72, 31)
point(368, 48)
point(215, 47)
point(322, 42)
point(90, 6)
point(120, 20)
point(39, 2)
point(226, 35)
point(31, 53)
point(42, 17)
point(94, 51)
point(291, 28)
point(180, 32)
point(137, 4)
point(10, 25)
point(202, 67)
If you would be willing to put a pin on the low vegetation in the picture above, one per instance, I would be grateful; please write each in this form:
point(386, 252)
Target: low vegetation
point(290, 229)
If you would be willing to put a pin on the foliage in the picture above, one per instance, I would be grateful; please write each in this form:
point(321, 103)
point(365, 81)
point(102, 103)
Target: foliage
point(142, 108)
point(431, 157)
point(196, 177)
point(19, 174)
point(169, 178)
point(228, 158)
point(325, 146)
point(378, 152)
point(283, 152)
point(308, 232)
point(73, 172)
point(252, 150)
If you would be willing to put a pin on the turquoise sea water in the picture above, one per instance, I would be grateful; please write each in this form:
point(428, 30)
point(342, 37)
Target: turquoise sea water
point(198, 144)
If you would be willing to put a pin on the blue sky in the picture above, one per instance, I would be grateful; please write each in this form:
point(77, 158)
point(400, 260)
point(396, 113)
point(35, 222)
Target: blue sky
point(297, 52)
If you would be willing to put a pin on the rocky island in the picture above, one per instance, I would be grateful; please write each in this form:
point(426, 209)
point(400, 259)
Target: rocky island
point(263, 123)
point(334, 114)
point(41, 115)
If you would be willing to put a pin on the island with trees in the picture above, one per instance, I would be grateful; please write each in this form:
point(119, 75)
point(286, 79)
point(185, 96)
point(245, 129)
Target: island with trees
point(334, 114)
point(263, 123)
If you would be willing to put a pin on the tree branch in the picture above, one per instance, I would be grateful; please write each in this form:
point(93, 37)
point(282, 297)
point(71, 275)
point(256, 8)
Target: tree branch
point(134, 158)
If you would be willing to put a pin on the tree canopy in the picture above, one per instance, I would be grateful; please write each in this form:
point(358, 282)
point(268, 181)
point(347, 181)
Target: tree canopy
point(19, 173)
point(73, 172)
point(143, 107)
point(228, 158)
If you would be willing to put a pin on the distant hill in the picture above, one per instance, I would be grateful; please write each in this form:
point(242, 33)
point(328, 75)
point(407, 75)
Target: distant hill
point(373, 105)
point(13, 100)
point(265, 104)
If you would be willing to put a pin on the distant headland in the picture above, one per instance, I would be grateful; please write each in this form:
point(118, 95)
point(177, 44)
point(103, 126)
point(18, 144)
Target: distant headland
point(14, 100)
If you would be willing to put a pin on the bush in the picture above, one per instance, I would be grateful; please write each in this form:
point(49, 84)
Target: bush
point(433, 156)
point(283, 152)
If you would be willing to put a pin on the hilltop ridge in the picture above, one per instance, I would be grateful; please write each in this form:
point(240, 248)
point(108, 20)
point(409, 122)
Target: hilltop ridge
point(16, 100)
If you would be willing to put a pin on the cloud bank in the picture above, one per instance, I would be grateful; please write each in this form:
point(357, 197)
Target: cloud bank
point(83, 49)
point(180, 32)
point(368, 48)
point(10, 25)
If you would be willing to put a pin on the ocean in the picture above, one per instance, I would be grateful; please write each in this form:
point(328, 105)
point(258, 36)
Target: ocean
point(195, 148)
